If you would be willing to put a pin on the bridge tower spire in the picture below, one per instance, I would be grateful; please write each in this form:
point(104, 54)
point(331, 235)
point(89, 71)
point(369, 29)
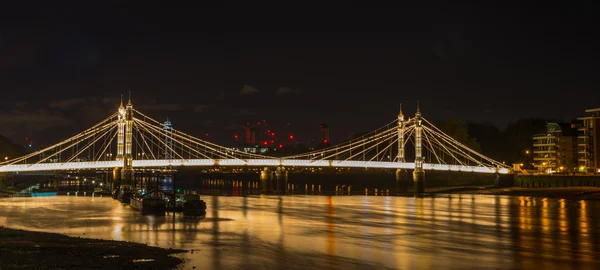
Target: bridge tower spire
point(401, 124)
point(127, 172)
point(418, 173)
point(401, 174)
point(121, 131)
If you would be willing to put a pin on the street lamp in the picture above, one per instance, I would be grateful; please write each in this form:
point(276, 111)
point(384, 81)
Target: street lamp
point(5, 158)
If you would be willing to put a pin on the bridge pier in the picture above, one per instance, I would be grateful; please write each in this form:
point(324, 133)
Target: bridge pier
point(3, 180)
point(266, 179)
point(281, 176)
point(419, 181)
point(127, 176)
point(402, 181)
point(116, 178)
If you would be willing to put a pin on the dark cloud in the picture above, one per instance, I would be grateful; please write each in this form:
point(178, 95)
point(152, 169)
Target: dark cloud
point(233, 127)
point(152, 105)
point(29, 122)
point(245, 112)
point(68, 104)
point(220, 96)
point(248, 90)
point(285, 91)
point(201, 108)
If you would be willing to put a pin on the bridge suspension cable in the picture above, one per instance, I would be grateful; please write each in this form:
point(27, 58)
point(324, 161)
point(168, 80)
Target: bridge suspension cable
point(348, 150)
point(457, 150)
point(185, 142)
point(55, 152)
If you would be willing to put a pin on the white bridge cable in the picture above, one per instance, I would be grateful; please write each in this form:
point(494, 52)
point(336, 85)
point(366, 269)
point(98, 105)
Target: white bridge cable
point(152, 136)
point(200, 142)
point(445, 149)
point(457, 150)
point(408, 131)
point(362, 143)
point(192, 139)
point(431, 148)
point(146, 126)
point(348, 143)
point(140, 147)
point(217, 149)
point(135, 124)
point(151, 130)
point(92, 142)
point(71, 143)
point(74, 144)
point(366, 150)
point(107, 145)
point(182, 145)
point(455, 142)
point(339, 149)
point(166, 145)
point(394, 140)
point(189, 148)
point(75, 137)
point(196, 147)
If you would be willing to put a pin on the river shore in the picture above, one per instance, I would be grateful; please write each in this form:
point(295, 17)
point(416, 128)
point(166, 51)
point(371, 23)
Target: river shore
point(574, 193)
point(21, 249)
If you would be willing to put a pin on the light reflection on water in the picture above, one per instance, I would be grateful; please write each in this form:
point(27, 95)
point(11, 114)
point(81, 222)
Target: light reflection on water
point(351, 232)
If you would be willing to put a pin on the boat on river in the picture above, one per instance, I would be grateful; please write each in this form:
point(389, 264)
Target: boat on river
point(124, 194)
point(193, 205)
point(148, 205)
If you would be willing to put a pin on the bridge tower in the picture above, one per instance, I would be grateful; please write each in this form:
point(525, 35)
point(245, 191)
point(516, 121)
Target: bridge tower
point(401, 174)
point(127, 172)
point(121, 131)
point(120, 143)
point(418, 173)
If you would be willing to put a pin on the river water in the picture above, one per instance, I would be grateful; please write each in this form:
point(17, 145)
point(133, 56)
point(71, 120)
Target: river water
point(341, 232)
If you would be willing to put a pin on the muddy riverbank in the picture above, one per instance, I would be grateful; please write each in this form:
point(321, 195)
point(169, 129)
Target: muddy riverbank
point(21, 249)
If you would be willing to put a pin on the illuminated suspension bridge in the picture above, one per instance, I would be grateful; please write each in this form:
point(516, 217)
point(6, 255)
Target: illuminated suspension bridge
point(142, 142)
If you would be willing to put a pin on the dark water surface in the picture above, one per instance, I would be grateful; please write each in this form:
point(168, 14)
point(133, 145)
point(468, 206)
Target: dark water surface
point(343, 232)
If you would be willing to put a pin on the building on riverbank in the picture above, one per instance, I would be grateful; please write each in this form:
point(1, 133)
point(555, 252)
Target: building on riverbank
point(556, 150)
point(588, 142)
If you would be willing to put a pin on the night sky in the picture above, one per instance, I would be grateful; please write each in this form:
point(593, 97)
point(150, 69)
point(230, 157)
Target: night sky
point(211, 70)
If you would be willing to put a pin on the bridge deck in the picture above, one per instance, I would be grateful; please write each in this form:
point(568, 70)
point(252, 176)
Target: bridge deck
point(248, 162)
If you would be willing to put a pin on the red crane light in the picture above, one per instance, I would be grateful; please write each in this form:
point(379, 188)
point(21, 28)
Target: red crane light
point(281, 146)
point(265, 142)
point(291, 137)
point(325, 141)
point(236, 136)
point(206, 134)
point(272, 133)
